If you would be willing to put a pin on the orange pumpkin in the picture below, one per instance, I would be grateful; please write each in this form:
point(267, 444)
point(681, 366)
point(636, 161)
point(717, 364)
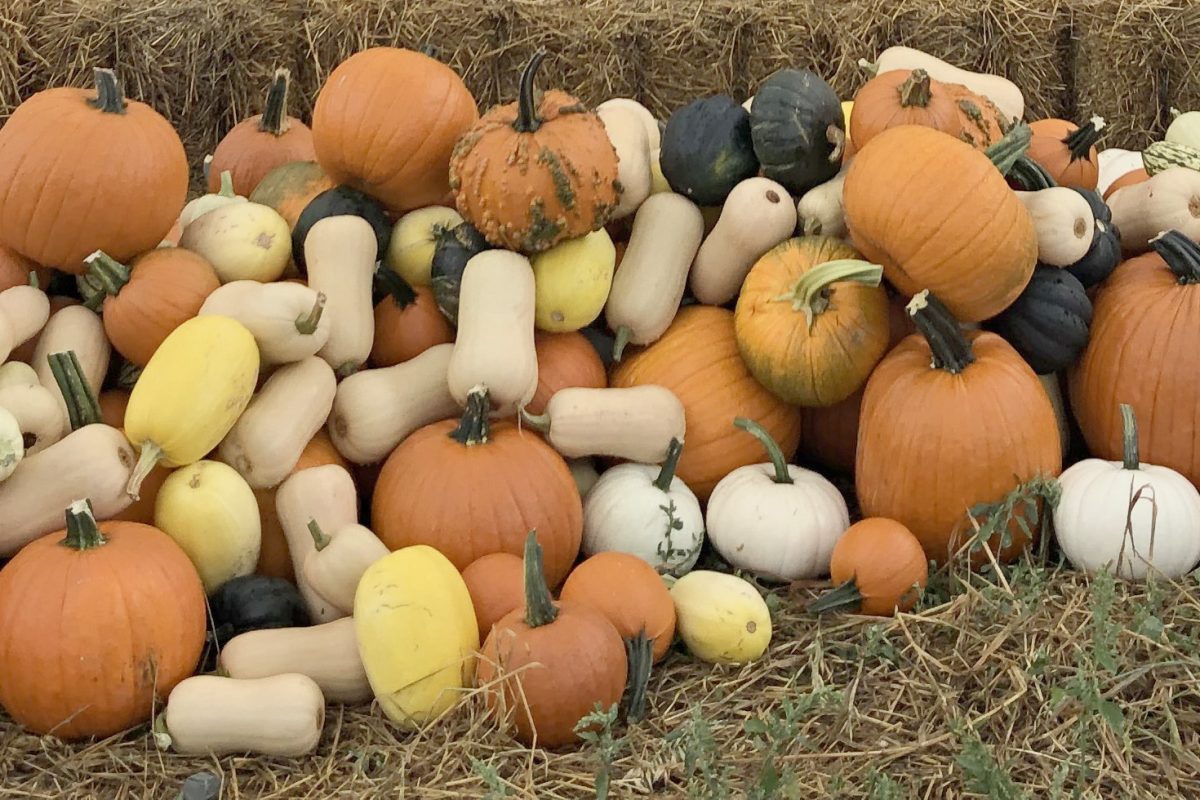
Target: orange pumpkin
point(697, 359)
point(629, 592)
point(100, 622)
point(902, 97)
point(289, 189)
point(981, 123)
point(145, 301)
point(112, 407)
point(57, 206)
point(1066, 151)
point(564, 360)
point(1128, 179)
point(496, 583)
point(939, 215)
point(15, 269)
point(878, 567)
point(531, 174)
point(260, 143)
point(951, 419)
point(407, 322)
point(386, 121)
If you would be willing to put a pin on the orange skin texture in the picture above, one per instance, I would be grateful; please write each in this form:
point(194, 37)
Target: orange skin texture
point(58, 158)
point(1144, 330)
point(966, 238)
point(565, 360)
point(932, 444)
point(496, 583)
point(697, 358)
point(1048, 150)
point(248, 153)
point(386, 122)
point(880, 104)
point(15, 269)
point(1128, 179)
point(550, 677)
point(629, 592)
point(979, 117)
point(405, 333)
point(92, 640)
point(885, 561)
point(291, 187)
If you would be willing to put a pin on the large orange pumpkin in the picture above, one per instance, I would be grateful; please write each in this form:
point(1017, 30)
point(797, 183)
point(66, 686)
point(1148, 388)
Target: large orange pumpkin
point(698, 359)
point(564, 360)
point(1142, 352)
point(97, 625)
point(629, 592)
point(531, 174)
point(289, 188)
point(938, 215)
point(473, 487)
point(1067, 151)
point(407, 322)
point(386, 121)
point(84, 170)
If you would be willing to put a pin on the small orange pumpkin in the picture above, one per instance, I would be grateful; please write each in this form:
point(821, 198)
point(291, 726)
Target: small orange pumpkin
point(878, 567)
point(902, 97)
point(496, 583)
point(1067, 151)
point(564, 360)
point(407, 321)
point(629, 592)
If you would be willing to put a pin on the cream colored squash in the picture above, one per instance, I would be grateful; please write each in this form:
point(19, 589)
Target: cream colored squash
point(721, 618)
point(207, 202)
point(1169, 200)
point(326, 494)
point(820, 212)
point(1184, 128)
point(1001, 91)
point(627, 133)
point(414, 238)
point(636, 424)
point(340, 254)
point(1115, 162)
point(1064, 224)
point(757, 215)
point(24, 311)
point(73, 328)
point(288, 320)
point(340, 560)
point(326, 653)
point(242, 241)
point(572, 281)
point(35, 407)
point(374, 410)
point(12, 443)
point(643, 114)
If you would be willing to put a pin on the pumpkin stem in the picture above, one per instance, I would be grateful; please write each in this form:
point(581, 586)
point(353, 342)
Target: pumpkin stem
point(810, 293)
point(836, 136)
point(206, 167)
point(82, 407)
point(148, 459)
point(670, 464)
point(82, 531)
point(274, 117)
point(639, 651)
point(1129, 438)
point(429, 49)
point(915, 91)
point(951, 350)
point(1015, 143)
point(869, 67)
point(33, 279)
point(539, 605)
point(527, 120)
point(782, 475)
point(620, 343)
point(394, 285)
point(307, 324)
point(1030, 175)
point(109, 98)
point(539, 422)
point(1181, 254)
point(90, 292)
point(1081, 140)
point(226, 189)
point(106, 274)
point(473, 428)
point(844, 597)
point(128, 374)
point(319, 537)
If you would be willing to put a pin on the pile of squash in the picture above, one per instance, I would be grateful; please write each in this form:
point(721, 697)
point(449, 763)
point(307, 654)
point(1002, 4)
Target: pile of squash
point(419, 402)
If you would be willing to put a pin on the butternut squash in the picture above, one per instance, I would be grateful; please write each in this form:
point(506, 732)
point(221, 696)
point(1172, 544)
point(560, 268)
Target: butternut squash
point(287, 320)
point(647, 289)
point(35, 407)
point(627, 133)
point(494, 347)
point(340, 253)
point(644, 116)
point(1001, 91)
point(24, 311)
point(340, 560)
point(325, 494)
point(327, 653)
point(820, 212)
point(1167, 201)
point(374, 410)
point(282, 715)
point(78, 329)
point(757, 215)
point(636, 424)
point(1064, 224)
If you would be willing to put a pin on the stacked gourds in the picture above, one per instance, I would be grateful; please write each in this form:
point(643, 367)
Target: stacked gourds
point(400, 377)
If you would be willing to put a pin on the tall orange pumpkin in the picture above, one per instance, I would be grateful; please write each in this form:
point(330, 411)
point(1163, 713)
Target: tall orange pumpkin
point(473, 487)
point(1067, 151)
point(564, 360)
point(698, 359)
point(84, 170)
point(97, 625)
point(386, 121)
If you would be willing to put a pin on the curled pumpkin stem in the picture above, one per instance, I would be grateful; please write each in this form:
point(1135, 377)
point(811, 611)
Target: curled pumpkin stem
point(774, 451)
point(836, 136)
point(810, 293)
point(539, 422)
point(621, 342)
point(148, 459)
point(527, 119)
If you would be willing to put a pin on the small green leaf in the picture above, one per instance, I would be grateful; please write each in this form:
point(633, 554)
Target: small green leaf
point(1112, 714)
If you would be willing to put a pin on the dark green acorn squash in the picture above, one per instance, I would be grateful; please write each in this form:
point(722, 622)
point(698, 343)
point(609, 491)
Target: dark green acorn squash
point(707, 150)
point(798, 129)
point(336, 202)
point(1105, 253)
point(253, 602)
point(1048, 324)
point(453, 249)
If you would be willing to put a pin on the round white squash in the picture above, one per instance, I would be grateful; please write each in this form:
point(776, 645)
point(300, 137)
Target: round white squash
point(242, 241)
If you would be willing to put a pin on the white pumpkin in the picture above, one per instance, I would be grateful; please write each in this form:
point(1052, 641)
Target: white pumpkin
point(646, 511)
point(776, 520)
point(1127, 517)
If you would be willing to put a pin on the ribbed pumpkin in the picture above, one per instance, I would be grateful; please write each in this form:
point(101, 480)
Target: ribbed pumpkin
point(532, 173)
point(902, 97)
point(564, 360)
point(473, 487)
point(951, 419)
point(57, 206)
point(386, 122)
point(698, 359)
point(629, 592)
point(407, 322)
point(938, 215)
point(289, 189)
point(1142, 352)
point(1067, 151)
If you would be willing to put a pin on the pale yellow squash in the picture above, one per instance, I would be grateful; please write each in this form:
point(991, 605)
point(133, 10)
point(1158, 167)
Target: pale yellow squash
point(572, 280)
point(414, 238)
point(721, 618)
point(242, 241)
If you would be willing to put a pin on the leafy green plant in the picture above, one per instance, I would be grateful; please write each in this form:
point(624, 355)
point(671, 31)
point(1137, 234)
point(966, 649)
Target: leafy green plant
point(596, 730)
point(881, 787)
point(776, 731)
point(708, 775)
point(496, 787)
point(983, 773)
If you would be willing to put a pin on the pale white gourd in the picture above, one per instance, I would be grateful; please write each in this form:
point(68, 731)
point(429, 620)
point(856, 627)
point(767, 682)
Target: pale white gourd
point(328, 495)
point(645, 117)
point(1001, 91)
point(242, 241)
point(81, 330)
point(12, 444)
point(1167, 201)
point(628, 136)
point(35, 408)
point(757, 215)
point(1063, 222)
point(1184, 128)
point(1115, 162)
point(820, 212)
point(636, 423)
point(340, 254)
point(289, 321)
point(340, 560)
point(24, 311)
point(326, 653)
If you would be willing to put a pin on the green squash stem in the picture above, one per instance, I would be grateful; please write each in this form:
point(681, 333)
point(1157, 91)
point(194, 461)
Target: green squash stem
point(539, 422)
point(148, 459)
point(846, 597)
point(90, 292)
point(128, 374)
point(527, 119)
point(106, 273)
point(1181, 254)
point(206, 167)
point(320, 539)
point(1030, 175)
point(109, 98)
point(1015, 143)
point(836, 136)
point(951, 350)
point(782, 475)
point(869, 67)
point(226, 188)
point(1081, 140)
point(82, 407)
point(33, 280)
point(1129, 438)
point(670, 464)
point(639, 650)
point(539, 604)
point(306, 324)
point(473, 428)
point(915, 91)
point(621, 342)
point(274, 117)
point(395, 286)
point(82, 531)
point(809, 294)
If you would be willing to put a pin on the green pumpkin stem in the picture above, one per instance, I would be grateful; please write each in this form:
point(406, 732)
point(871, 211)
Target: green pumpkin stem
point(148, 459)
point(1181, 254)
point(82, 531)
point(274, 117)
point(846, 597)
point(539, 422)
point(1004, 153)
point(869, 67)
point(1129, 438)
point(473, 429)
point(319, 537)
point(621, 342)
point(226, 188)
point(915, 91)
point(33, 279)
point(670, 464)
point(1081, 140)
point(206, 167)
point(951, 350)
point(1030, 175)
point(539, 604)
point(809, 294)
point(82, 407)
point(109, 98)
point(306, 324)
point(527, 119)
point(395, 286)
point(128, 375)
point(639, 651)
point(90, 292)
point(106, 273)
point(782, 475)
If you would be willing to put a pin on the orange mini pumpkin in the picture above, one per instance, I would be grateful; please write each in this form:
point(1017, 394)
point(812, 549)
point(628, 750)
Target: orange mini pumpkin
point(902, 97)
point(564, 360)
point(407, 322)
point(1067, 151)
point(629, 592)
point(878, 567)
point(496, 583)
point(531, 174)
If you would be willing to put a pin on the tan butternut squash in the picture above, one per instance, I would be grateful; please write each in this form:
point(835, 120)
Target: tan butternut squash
point(627, 133)
point(636, 424)
point(326, 494)
point(1167, 201)
point(819, 212)
point(374, 410)
point(1064, 224)
point(79, 329)
point(24, 311)
point(34, 407)
point(340, 253)
point(327, 653)
point(643, 115)
point(288, 320)
point(1001, 91)
point(340, 560)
